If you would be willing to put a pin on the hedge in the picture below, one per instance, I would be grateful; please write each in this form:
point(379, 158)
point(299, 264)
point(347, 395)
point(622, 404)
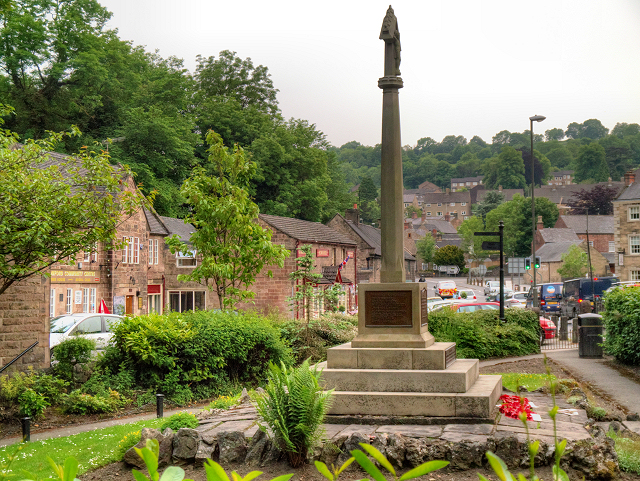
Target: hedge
point(622, 323)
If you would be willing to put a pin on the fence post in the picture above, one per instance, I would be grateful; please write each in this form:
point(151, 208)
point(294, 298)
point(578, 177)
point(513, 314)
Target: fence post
point(160, 405)
point(26, 429)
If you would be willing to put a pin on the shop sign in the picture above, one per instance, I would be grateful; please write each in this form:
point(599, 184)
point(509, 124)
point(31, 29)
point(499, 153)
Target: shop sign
point(322, 252)
point(59, 276)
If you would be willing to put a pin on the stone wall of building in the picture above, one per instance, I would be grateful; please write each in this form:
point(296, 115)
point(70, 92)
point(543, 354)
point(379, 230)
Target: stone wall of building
point(623, 228)
point(368, 271)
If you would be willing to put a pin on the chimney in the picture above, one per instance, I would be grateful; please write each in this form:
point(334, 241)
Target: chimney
point(447, 217)
point(629, 177)
point(414, 215)
point(448, 190)
point(540, 224)
point(499, 188)
point(434, 233)
point(424, 215)
point(353, 214)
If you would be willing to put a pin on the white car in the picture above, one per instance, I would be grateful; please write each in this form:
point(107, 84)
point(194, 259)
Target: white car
point(491, 287)
point(516, 299)
point(470, 295)
point(90, 325)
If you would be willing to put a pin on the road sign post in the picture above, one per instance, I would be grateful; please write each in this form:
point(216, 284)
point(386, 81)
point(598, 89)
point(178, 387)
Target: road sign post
point(492, 245)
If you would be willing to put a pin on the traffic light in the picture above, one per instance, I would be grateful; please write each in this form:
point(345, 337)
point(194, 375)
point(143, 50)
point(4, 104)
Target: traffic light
point(527, 263)
point(537, 262)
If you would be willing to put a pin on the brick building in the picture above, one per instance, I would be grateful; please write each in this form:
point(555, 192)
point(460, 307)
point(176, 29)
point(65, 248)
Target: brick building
point(600, 230)
point(551, 259)
point(329, 248)
point(626, 215)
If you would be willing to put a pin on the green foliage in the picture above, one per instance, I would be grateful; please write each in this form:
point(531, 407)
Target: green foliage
point(513, 380)
point(181, 354)
point(328, 331)
point(426, 248)
point(482, 335)
point(180, 420)
point(367, 191)
point(293, 407)
point(233, 248)
point(591, 163)
point(36, 235)
point(77, 402)
point(506, 170)
point(628, 451)
point(449, 255)
point(128, 441)
point(472, 244)
point(32, 404)
point(223, 402)
point(575, 263)
point(68, 353)
point(490, 201)
point(370, 467)
point(622, 324)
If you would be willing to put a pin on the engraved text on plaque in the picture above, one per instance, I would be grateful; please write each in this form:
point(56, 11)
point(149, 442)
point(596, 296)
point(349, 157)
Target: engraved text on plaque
point(388, 309)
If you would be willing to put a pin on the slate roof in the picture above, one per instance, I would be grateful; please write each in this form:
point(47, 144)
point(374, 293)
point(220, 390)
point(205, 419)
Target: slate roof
point(435, 197)
point(508, 194)
point(561, 194)
point(427, 186)
point(440, 225)
point(598, 224)
point(179, 227)
point(468, 179)
point(630, 193)
point(558, 235)
point(372, 236)
point(552, 252)
point(306, 231)
point(156, 227)
point(446, 241)
point(560, 173)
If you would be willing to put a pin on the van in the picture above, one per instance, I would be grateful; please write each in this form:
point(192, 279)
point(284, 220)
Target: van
point(550, 297)
point(577, 291)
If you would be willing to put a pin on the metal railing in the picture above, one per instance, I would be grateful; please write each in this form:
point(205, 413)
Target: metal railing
point(19, 356)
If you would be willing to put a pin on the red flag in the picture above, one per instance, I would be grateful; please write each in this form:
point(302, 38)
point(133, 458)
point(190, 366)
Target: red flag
point(102, 308)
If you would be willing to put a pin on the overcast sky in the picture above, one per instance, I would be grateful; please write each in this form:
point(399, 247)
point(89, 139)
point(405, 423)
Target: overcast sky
point(470, 67)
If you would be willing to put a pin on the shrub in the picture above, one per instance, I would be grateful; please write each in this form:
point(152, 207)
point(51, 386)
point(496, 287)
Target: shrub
point(223, 402)
point(11, 387)
point(128, 441)
point(79, 403)
point(32, 404)
point(293, 407)
point(622, 322)
point(482, 335)
point(180, 354)
point(68, 353)
point(180, 420)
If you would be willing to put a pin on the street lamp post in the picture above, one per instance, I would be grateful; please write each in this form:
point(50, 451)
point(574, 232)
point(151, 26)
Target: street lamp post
point(536, 118)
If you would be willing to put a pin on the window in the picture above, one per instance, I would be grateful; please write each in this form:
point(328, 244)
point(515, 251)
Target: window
point(92, 301)
point(52, 303)
point(85, 300)
point(90, 325)
point(466, 217)
point(634, 275)
point(463, 203)
point(150, 251)
point(634, 213)
point(428, 205)
point(475, 183)
point(454, 184)
point(187, 260)
point(154, 303)
point(464, 212)
point(612, 246)
point(438, 213)
point(634, 244)
point(181, 301)
point(89, 300)
point(590, 243)
point(439, 204)
point(131, 250)
point(69, 301)
point(153, 251)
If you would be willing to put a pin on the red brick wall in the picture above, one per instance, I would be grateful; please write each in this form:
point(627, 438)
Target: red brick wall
point(600, 241)
point(339, 224)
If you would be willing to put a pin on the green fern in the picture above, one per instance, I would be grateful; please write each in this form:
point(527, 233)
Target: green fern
point(292, 409)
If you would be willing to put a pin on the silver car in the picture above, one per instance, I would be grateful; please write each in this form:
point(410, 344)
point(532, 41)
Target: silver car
point(90, 325)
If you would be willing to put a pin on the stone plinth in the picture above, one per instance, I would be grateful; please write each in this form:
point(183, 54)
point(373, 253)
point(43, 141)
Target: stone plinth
point(392, 315)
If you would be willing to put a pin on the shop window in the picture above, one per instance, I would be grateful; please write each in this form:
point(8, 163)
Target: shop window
point(181, 301)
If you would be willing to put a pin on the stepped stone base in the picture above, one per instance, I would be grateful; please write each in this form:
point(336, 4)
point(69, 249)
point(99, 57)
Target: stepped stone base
point(428, 381)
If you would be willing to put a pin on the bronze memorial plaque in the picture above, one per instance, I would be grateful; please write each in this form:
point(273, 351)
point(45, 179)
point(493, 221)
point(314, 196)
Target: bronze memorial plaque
point(388, 309)
point(449, 356)
point(424, 308)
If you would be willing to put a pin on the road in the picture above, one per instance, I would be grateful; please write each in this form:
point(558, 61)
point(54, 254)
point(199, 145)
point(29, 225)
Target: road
point(461, 283)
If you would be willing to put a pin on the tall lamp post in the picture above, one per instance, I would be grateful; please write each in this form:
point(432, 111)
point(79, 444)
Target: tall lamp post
point(535, 118)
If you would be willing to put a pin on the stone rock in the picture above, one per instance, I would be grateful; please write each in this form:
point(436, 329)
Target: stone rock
point(256, 448)
point(510, 450)
point(350, 444)
point(596, 460)
point(467, 455)
point(314, 454)
point(244, 397)
point(205, 451)
point(331, 449)
point(615, 426)
point(421, 450)
point(633, 417)
point(272, 453)
point(166, 443)
point(396, 449)
point(185, 445)
point(233, 447)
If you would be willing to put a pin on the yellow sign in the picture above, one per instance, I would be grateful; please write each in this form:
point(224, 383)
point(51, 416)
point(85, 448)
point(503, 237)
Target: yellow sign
point(74, 276)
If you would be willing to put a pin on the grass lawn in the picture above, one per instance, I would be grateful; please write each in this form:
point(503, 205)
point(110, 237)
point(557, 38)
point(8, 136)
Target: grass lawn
point(628, 449)
point(512, 380)
point(92, 450)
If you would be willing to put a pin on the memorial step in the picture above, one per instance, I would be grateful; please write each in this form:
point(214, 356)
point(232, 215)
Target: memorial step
point(436, 356)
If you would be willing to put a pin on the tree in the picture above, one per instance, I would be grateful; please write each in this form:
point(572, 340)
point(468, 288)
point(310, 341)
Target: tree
point(490, 201)
point(426, 248)
point(575, 263)
point(541, 166)
point(596, 201)
point(591, 163)
point(367, 190)
point(618, 154)
point(506, 170)
point(589, 129)
point(554, 134)
point(472, 244)
point(449, 255)
point(234, 249)
point(560, 157)
point(410, 210)
point(51, 207)
point(623, 129)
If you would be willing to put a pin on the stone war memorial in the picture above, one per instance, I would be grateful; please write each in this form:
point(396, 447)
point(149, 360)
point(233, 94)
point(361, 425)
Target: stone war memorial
point(394, 367)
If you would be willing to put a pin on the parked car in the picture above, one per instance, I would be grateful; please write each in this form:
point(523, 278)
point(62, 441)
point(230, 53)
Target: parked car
point(491, 287)
point(446, 289)
point(90, 325)
point(547, 329)
point(475, 306)
point(470, 295)
point(550, 297)
point(516, 299)
point(577, 291)
point(437, 305)
point(495, 297)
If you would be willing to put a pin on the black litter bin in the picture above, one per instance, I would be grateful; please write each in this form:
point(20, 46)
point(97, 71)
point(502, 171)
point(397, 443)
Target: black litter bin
point(589, 335)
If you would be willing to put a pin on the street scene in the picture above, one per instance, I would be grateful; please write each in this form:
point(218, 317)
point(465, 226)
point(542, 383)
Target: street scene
point(214, 258)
